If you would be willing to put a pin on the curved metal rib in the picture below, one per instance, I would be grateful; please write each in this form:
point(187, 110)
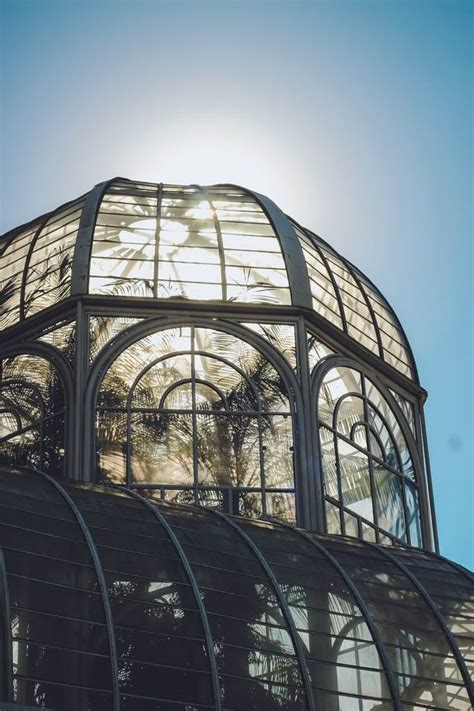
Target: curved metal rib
point(26, 264)
point(220, 243)
point(292, 252)
point(187, 567)
point(363, 607)
point(6, 685)
point(439, 618)
point(284, 605)
point(82, 249)
point(100, 579)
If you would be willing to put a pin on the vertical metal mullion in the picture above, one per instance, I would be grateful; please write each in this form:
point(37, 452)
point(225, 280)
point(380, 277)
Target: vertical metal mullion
point(369, 450)
point(194, 586)
point(297, 643)
point(424, 594)
point(342, 519)
point(405, 507)
point(309, 479)
point(262, 461)
point(432, 533)
point(81, 418)
point(159, 198)
point(100, 580)
point(362, 605)
point(194, 417)
point(128, 447)
point(6, 686)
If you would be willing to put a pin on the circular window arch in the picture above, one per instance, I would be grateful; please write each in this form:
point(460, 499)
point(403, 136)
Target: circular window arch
point(368, 458)
point(197, 414)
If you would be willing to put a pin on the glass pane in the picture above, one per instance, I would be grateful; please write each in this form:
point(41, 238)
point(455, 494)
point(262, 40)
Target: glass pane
point(388, 502)
point(228, 450)
point(355, 479)
point(277, 445)
point(161, 448)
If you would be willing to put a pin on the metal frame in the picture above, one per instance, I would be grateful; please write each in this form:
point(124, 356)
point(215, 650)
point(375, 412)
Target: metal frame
point(299, 652)
point(325, 366)
point(6, 678)
point(362, 605)
point(79, 442)
point(192, 580)
point(101, 582)
point(245, 534)
point(292, 252)
point(315, 238)
point(284, 230)
point(142, 329)
point(66, 377)
point(434, 609)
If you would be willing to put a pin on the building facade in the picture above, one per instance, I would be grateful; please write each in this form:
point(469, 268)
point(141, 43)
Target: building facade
point(214, 469)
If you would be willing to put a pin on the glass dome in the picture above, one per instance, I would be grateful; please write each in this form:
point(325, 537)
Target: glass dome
point(219, 243)
point(197, 343)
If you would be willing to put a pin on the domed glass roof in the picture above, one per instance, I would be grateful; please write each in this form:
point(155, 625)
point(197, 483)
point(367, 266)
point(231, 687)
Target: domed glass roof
point(220, 243)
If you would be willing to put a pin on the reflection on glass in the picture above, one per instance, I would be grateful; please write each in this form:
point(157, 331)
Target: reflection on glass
point(31, 413)
point(150, 244)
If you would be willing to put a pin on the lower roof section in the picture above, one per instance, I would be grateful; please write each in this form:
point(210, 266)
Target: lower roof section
point(111, 601)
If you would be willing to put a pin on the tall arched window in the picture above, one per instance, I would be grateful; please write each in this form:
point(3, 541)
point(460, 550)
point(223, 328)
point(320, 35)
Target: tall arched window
point(369, 477)
point(197, 414)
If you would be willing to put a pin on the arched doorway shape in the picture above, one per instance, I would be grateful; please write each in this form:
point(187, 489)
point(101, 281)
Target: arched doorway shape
point(369, 461)
point(198, 411)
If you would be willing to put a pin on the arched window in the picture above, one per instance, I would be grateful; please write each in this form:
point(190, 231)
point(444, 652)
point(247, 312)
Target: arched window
point(31, 413)
point(200, 415)
point(370, 484)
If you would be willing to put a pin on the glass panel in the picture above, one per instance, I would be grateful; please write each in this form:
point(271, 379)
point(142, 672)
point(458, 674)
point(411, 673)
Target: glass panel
point(277, 445)
point(62, 338)
point(161, 448)
point(372, 457)
point(337, 383)
point(32, 403)
point(281, 505)
point(329, 463)
point(333, 518)
point(316, 350)
point(252, 644)
point(413, 514)
point(322, 289)
point(388, 502)
point(148, 243)
point(280, 335)
point(49, 269)
point(205, 409)
point(355, 479)
point(228, 450)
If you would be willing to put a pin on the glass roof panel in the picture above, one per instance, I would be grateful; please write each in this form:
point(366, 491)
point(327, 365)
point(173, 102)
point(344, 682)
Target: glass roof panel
point(216, 243)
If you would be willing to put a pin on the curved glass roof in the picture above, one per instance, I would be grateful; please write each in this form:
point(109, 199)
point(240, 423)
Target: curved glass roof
point(119, 601)
point(219, 243)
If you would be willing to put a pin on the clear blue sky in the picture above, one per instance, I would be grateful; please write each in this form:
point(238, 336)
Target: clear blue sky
point(356, 117)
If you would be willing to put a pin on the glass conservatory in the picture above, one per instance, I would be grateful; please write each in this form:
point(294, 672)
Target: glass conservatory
point(214, 475)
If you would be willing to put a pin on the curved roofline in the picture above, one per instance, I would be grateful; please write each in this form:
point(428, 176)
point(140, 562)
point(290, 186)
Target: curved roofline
point(358, 271)
point(284, 228)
